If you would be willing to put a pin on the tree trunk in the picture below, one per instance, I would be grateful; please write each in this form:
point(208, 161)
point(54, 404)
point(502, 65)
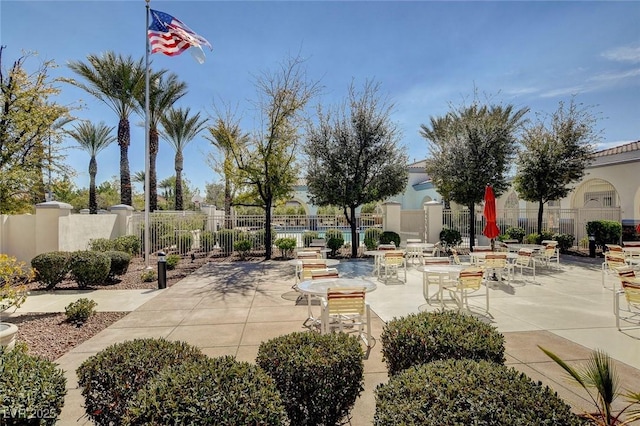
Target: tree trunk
point(227, 202)
point(124, 138)
point(354, 232)
point(472, 226)
point(267, 230)
point(153, 176)
point(178, 164)
point(540, 211)
point(93, 171)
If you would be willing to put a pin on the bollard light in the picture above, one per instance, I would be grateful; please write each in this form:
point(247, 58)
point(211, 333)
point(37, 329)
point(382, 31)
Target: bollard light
point(162, 270)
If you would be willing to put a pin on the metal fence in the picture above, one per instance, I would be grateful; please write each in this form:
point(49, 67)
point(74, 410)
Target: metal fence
point(556, 220)
point(185, 232)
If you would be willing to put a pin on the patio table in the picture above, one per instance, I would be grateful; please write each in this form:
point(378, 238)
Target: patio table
point(442, 271)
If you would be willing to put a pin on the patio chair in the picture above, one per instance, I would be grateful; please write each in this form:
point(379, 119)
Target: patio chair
point(550, 253)
point(613, 260)
point(496, 263)
point(413, 252)
point(310, 265)
point(344, 308)
point(469, 281)
point(460, 260)
point(631, 291)
point(391, 264)
point(323, 274)
point(525, 260)
point(613, 247)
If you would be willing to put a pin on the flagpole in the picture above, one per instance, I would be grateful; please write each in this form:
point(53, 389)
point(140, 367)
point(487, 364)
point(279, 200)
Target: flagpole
point(147, 161)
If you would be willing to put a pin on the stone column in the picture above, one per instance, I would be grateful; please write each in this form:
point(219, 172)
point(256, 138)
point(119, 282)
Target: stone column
point(48, 225)
point(391, 212)
point(123, 223)
point(432, 221)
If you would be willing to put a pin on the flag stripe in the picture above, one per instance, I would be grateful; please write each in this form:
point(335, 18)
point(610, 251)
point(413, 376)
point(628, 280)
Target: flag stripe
point(171, 36)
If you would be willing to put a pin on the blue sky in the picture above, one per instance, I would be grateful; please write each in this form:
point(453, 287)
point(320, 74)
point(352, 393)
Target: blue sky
point(427, 56)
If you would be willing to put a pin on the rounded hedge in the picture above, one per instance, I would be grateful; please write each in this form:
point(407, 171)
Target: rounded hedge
point(220, 391)
point(120, 261)
point(32, 388)
point(112, 377)
point(89, 267)
point(51, 268)
point(388, 237)
point(429, 336)
point(467, 392)
point(319, 376)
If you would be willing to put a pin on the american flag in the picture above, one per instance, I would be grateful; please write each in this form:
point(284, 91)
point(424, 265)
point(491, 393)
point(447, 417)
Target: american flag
point(170, 36)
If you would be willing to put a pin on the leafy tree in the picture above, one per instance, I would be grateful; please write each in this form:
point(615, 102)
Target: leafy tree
point(179, 129)
point(555, 155)
point(471, 147)
point(227, 137)
point(266, 164)
point(27, 124)
point(354, 156)
point(214, 194)
point(93, 139)
point(163, 93)
point(117, 81)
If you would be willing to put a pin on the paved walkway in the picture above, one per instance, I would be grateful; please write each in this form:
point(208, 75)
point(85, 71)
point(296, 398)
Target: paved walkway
point(229, 308)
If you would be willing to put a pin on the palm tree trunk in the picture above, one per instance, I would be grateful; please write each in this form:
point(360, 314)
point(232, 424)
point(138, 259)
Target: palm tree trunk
point(153, 177)
point(93, 170)
point(178, 165)
point(124, 139)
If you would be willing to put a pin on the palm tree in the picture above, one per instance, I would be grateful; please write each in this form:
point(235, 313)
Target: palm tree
point(179, 130)
point(163, 93)
point(117, 81)
point(225, 135)
point(93, 139)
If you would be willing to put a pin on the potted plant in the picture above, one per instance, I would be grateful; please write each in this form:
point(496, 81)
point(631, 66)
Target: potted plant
point(13, 277)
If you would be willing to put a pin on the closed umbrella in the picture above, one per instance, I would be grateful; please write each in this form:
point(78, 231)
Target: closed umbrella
point(491, 230)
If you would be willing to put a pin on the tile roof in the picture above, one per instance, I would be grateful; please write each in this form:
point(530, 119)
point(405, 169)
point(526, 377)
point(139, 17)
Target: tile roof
point(628, 147)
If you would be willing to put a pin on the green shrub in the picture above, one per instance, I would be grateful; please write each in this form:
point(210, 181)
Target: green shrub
point(545, 235)
point(128, 243)
point(33, 388)
point(565, 241)
point(372, 238)
point(51, 268)
point(79, 311)
point(318, 375)
point(172, 261)
point(308, 236)
point(184, 241)
point(242, 247)
point(467, 392)
point(450, 238)
point(516, 233)
point(226, 239)
point(207, 241)
point(101, 244)
point(148, 276)
point(89, 267)
point(286, 246)
point(113, 376)
point(429, 336)
point(388, 237)
point(215, 391)
point(335, 240)
point(120, 261)
point(533, 238)
point(605, 231)
point(258, 237)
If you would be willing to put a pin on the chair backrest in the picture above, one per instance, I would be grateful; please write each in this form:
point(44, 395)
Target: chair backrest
point(478, 249)
point(413, 240)
point(436, 261)
point(321, 274)
point(346, 300)
point(386, 247)
point(615, 260)
point(318, 242)
point(471, 278)
point(626, 272)
point(613, 247)
point(309, 265)
point(550, 249)
point(394, 257)
point(631, 292)
point(308, 255)
point(524, 257)
point(495, 260)
point(631, 243)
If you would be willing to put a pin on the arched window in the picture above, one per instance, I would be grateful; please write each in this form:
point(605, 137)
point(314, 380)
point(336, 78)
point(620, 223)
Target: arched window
point(596, 193)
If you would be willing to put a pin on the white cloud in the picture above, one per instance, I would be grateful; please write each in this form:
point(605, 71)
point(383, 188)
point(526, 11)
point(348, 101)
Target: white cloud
point(521, 91)
point(611, 76)
point(563, 91)
point(624, 54)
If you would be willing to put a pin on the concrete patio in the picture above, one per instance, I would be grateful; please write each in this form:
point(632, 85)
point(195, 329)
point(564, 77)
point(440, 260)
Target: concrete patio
point(229, 308)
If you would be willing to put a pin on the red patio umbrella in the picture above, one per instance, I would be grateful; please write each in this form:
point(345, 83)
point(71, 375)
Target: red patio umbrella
point(491, 230)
